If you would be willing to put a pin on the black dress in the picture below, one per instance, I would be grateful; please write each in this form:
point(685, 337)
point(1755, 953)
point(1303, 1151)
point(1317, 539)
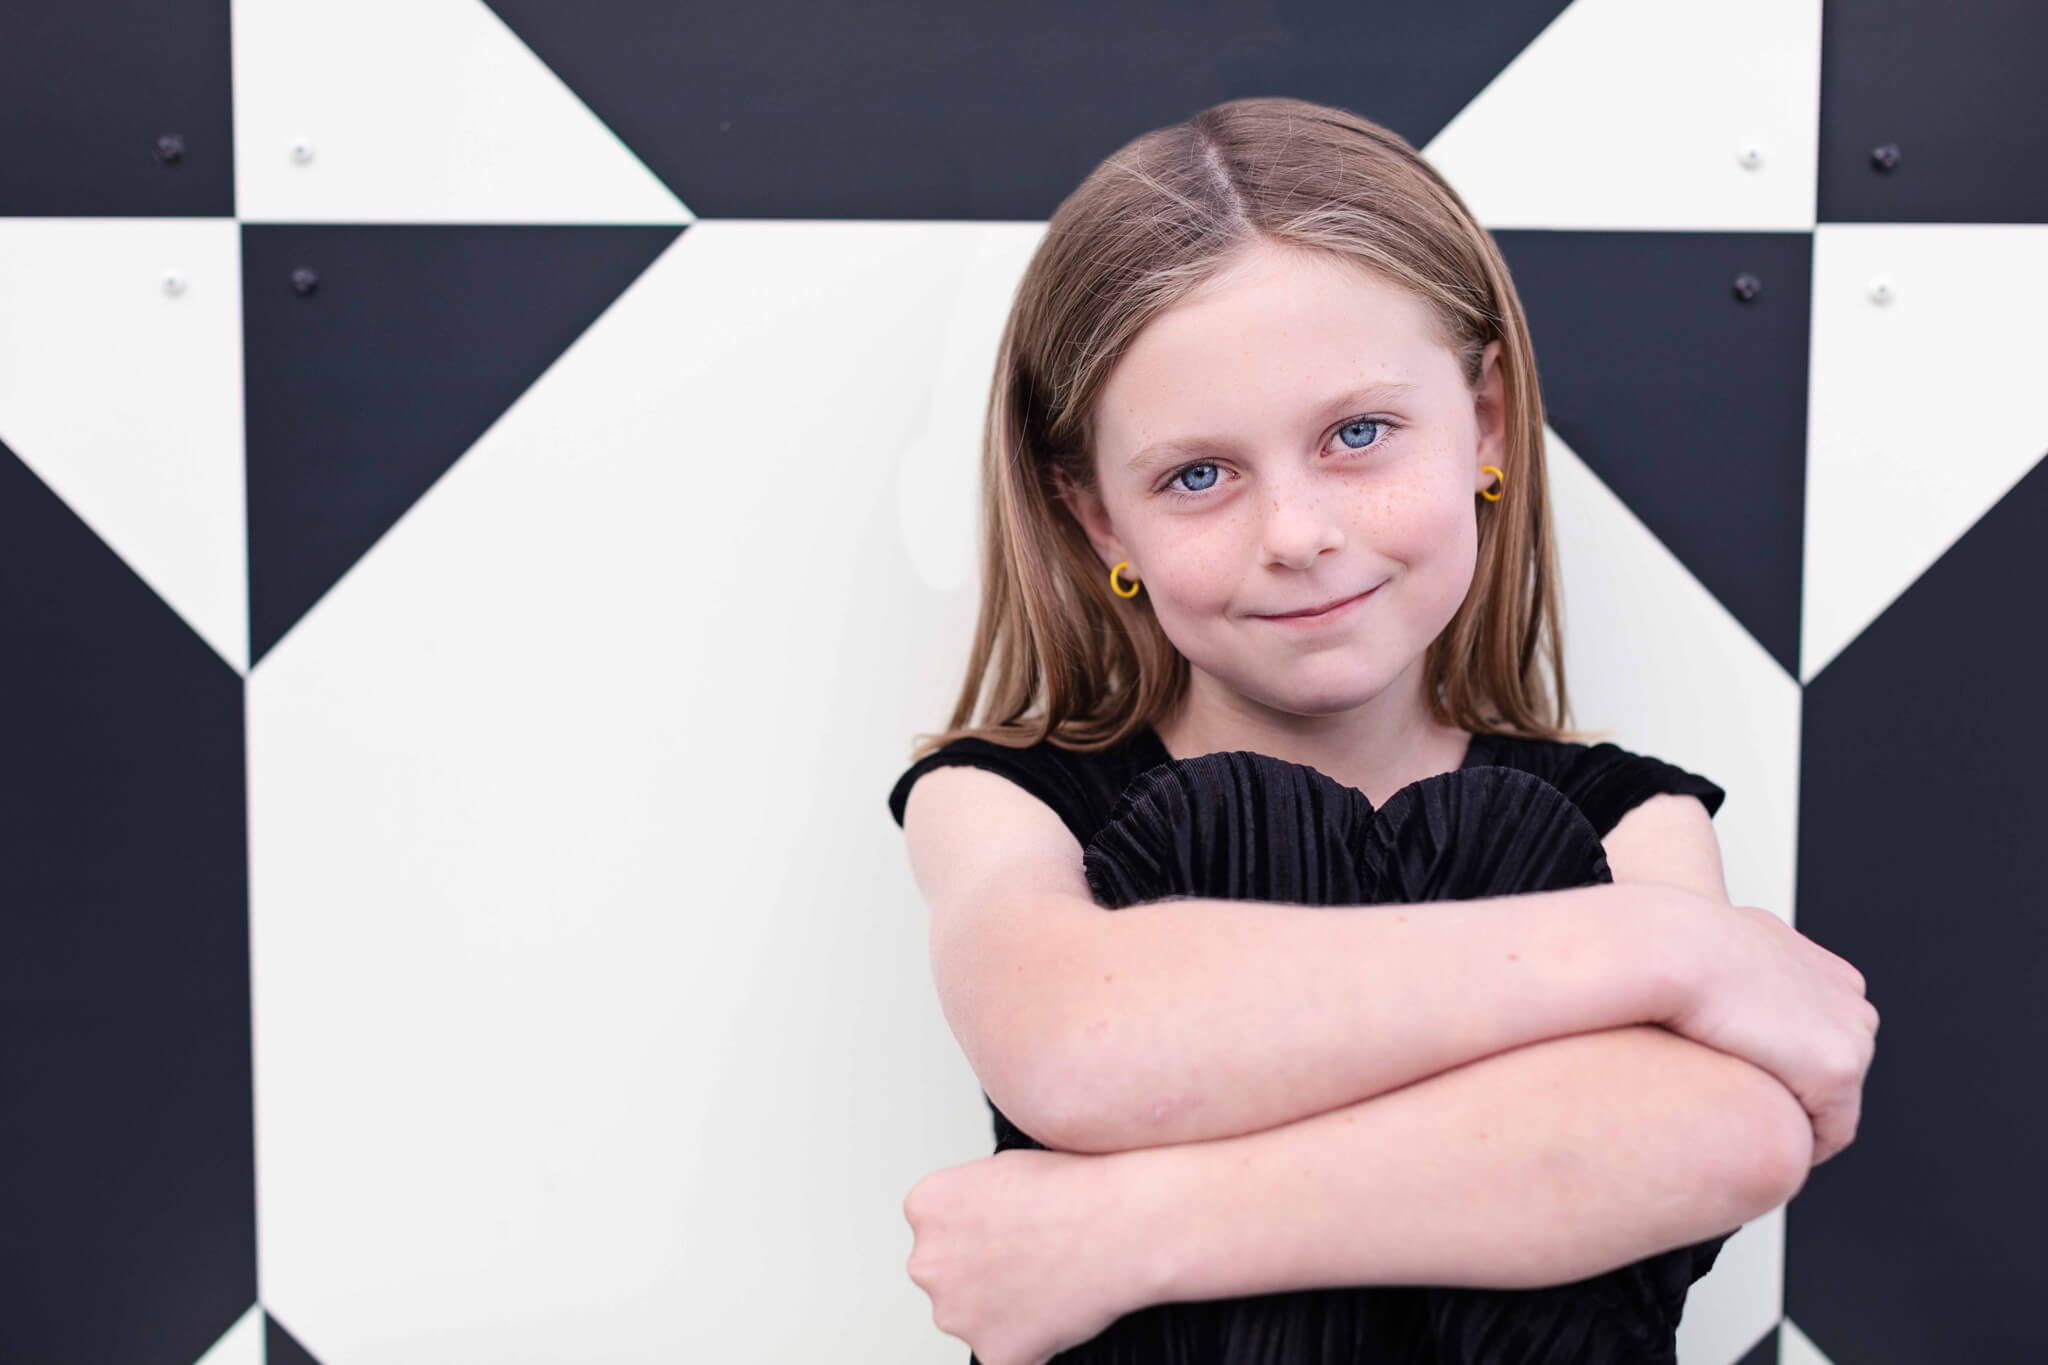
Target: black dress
point(1516, 816)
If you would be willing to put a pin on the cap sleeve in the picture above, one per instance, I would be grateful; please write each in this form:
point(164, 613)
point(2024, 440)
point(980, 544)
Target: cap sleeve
point(1038, 770)
point(1610, 781)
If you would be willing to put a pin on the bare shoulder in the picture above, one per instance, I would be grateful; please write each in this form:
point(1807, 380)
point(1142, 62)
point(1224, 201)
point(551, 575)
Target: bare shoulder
point(974, 835)
point(1669, 839)
point(1011, 914)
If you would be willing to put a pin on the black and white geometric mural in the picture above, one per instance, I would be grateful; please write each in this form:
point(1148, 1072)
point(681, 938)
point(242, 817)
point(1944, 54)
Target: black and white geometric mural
point(488, 493)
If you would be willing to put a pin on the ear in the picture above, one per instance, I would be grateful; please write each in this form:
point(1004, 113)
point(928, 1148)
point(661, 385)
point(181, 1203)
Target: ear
point(1489, 406)
point(1094, 519)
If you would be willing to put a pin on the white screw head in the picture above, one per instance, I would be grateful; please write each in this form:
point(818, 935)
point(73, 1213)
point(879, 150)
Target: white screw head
point(1880, 291)
point(174, 282)
point(1751, 156)
point(302, 150)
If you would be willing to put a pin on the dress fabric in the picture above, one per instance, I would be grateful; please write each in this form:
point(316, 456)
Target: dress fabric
point(1517, 816)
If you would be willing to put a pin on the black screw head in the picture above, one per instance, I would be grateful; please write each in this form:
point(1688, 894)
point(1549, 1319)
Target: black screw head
point(1885, 157)
point(170, 149)
point(1747, 286)
point(304, 280)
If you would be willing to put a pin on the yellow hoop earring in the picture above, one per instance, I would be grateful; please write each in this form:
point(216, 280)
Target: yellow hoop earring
point(1488, 494)
point(1113, 587)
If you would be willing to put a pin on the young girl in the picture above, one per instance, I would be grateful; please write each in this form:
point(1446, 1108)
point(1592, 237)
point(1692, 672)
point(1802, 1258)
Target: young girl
point(1268, 600)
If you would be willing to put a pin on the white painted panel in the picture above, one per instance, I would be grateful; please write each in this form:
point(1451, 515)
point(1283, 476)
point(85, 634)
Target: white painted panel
point(593, 1009)
point(241, 1344)
point(419, 111)
point(1923, 410)
point(125, 397)
point(1624, 114)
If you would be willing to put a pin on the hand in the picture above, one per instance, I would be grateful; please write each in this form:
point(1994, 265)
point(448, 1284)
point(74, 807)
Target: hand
point(1770, 995)
point(1018, 1253)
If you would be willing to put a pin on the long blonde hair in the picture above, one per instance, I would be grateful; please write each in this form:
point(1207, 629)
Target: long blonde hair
point(1056, 653)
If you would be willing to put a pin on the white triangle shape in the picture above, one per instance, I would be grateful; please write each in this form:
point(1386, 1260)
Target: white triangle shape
point(126, 397)
point(1795, 1348)
point(241, 1344)
point(1922, 412)
point(1622, 114)
point(419, 111)
point(1644, 641)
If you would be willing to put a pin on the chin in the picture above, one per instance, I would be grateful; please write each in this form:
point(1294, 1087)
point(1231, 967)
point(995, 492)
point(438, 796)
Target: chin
point(1339, 696)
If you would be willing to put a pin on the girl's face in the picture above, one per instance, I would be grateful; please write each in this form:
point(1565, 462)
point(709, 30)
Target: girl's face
point(1288, 437)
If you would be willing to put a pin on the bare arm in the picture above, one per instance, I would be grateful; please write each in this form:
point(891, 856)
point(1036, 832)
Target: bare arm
point(1197, 1019)
point(1101, 1031)
point(1539, 1166)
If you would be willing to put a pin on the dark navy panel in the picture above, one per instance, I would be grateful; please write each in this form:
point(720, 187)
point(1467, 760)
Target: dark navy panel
point(1686, 399)
point(1924, 791)
point(88, 91)
point(281, 1347)
point(128, 1189)
point(792, 109)
point(1765, 1352)
point(1954, 88)
point(411, 341)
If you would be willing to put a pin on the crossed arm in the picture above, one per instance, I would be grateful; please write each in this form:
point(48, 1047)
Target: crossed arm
point(1535, 1166)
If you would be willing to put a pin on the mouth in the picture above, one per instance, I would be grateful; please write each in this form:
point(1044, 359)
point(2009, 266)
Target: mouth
point(1327, 611)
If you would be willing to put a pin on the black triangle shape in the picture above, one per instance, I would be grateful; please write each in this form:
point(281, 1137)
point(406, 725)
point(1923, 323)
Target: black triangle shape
point(362, 392)
point(1920, 811)
point(1688, 402)
point(281, 1347)
point(784, 110)
point(129, 1187)
point(1765, 1352)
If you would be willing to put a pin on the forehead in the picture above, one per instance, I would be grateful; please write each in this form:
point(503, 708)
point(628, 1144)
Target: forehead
point(1277, 335)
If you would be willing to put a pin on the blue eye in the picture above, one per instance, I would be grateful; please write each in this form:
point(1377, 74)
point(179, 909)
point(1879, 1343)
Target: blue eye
point(1174, 488)
point(1353, 426)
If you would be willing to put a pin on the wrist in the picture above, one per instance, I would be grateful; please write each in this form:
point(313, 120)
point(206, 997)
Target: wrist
point(1135, 1195)
point(1679, 947)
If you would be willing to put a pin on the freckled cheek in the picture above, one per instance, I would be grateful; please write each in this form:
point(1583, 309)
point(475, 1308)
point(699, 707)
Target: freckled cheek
point(1196, 579)
point(1406, 517)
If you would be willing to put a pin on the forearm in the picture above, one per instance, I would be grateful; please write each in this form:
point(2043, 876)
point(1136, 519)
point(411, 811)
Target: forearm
point(1540, 1166)
point(1197, 1019)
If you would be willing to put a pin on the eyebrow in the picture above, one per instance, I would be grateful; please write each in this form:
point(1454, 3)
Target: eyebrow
point(1161, 451)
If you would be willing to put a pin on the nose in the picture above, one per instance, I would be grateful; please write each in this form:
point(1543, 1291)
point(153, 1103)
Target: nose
point(1299, 521)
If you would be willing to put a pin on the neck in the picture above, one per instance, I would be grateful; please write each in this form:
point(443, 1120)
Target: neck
point(1378, 747)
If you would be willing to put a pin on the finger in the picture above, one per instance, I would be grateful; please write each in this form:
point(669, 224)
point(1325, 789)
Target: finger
point(1854, 1110)
point(1848, 1115)
point(1833, 1126)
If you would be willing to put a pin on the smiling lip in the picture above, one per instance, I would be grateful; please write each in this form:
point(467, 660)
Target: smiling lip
point(1329, 613)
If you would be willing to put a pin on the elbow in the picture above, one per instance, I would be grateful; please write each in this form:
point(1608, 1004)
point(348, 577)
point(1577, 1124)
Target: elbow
point(1021, 1092)
point(1038, 1087)
point(1084, 1085)
point(1773, 1143)
point(1062, 1109)
point(1076, 1107)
